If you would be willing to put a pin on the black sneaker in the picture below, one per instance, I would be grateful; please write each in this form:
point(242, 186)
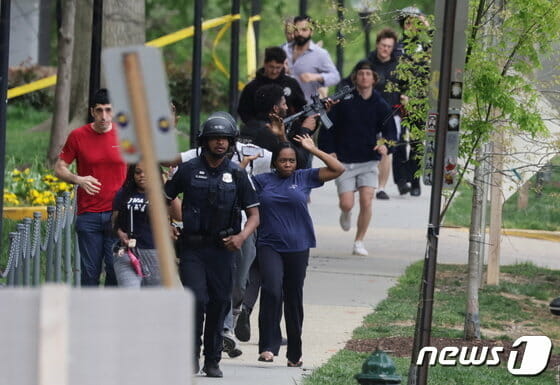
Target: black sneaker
point(243, 326)
point(382, 195)
point(403, 188)
point(230, 345)
point(415, 192)
point(212, 370)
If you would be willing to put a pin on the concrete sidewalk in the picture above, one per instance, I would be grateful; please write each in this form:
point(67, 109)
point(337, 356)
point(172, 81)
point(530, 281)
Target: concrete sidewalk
point(341, 289)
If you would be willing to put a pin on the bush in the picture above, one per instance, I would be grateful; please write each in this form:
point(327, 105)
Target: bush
point(214, 92)
point(24, 74)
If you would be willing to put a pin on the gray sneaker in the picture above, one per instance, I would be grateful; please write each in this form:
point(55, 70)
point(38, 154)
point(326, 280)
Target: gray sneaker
point(230, 345)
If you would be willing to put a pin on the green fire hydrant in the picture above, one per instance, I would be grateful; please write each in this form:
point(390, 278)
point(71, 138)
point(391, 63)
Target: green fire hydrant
point(378, 369)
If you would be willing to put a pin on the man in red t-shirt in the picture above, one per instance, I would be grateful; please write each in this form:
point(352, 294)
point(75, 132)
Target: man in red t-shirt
point(100, 173)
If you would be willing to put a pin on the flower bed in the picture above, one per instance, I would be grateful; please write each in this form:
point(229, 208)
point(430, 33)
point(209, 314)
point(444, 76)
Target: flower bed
point(27, 190)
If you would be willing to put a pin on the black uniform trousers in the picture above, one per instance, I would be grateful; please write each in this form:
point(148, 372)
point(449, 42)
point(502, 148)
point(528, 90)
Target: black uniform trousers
point(208, 272)
point(282, 277)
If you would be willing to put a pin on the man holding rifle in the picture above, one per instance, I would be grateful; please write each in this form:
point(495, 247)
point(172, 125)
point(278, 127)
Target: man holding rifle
point(353, 139)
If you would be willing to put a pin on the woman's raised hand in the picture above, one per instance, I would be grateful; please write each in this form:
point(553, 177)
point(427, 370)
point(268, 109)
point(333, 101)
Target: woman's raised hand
point(306, 142)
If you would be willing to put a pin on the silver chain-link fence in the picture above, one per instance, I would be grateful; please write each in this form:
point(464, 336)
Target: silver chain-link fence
point(45, 252)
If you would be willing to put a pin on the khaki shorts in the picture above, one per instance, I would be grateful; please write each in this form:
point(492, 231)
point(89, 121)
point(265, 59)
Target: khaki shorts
point(358, 175)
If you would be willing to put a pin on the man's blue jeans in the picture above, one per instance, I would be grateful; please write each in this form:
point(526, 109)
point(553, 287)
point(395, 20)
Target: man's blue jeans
point(96, 240)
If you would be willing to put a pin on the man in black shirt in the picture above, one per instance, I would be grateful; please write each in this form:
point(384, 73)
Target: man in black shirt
point(384, 61)
point(358, 125)
point(272, 72)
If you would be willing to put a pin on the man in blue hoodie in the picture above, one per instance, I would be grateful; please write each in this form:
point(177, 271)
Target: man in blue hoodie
point(363, 130)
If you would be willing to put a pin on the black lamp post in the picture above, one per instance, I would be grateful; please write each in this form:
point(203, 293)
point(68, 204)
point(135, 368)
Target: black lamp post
point(4, 63)
point(95, 58)
point(365, 9)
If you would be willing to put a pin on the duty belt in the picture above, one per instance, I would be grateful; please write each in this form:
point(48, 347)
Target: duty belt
point(199, 240)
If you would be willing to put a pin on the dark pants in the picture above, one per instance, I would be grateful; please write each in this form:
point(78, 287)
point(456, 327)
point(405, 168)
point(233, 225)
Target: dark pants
point(282, 277)
point(243, 261)
point(207, 271)
point(405, 166)
point(253, 287)
point(96, 241)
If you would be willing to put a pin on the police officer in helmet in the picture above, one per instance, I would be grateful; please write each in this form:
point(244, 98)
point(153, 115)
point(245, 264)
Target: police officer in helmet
point(215, 191)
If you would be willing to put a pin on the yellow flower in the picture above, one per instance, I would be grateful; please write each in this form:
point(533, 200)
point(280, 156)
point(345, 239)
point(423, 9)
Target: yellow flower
point(11, 198)
point(63, 186)
point(26, 171)
point(30, 180)
point(50, 178)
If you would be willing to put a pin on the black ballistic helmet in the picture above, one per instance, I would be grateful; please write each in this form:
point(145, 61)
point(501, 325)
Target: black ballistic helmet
point(219, 124)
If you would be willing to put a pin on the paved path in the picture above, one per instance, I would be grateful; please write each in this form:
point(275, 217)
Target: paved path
point(341, 289)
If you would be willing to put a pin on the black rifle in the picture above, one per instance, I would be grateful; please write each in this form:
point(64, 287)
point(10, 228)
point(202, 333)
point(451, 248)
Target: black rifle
point(317, 106)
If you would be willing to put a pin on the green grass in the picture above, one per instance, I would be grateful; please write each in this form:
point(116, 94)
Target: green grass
point(542, 212)
point(22, 144)
point(342, 367)
point(521, 300)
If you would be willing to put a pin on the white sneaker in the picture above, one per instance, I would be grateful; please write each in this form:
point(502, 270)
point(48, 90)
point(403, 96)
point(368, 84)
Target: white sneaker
point(359, 249)
point(345, 220)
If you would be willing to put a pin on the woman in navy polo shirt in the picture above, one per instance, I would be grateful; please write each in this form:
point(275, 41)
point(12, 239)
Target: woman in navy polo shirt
point(285, 236)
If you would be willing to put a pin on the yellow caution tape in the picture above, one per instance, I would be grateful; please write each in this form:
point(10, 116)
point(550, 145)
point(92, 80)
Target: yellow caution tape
point(33, 86)
point(189, 31)
point(159, 42)
point(251, 47)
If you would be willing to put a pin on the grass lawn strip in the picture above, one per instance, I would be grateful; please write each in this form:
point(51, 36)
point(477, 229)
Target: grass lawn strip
point(517, 307)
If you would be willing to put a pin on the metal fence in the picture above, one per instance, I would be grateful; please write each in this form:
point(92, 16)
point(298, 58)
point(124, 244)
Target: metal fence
point(51, 254)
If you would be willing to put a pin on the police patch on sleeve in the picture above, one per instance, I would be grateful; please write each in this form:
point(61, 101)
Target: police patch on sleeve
point(227, 178)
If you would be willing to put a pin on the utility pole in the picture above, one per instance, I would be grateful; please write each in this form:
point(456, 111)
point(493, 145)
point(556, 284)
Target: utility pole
point(496, 202)
point(302, 7)
point(340, 38)
point(5, 53)
point(496, 195)
point(196, 87)
point(234, 60)
point(256, 10)
point(448, 61)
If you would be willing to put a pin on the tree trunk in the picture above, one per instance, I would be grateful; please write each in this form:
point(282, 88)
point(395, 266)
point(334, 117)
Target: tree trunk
point(64, 75)
point(523, 197)
point(472, 320)
point(80, 63)
point(123, 22)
